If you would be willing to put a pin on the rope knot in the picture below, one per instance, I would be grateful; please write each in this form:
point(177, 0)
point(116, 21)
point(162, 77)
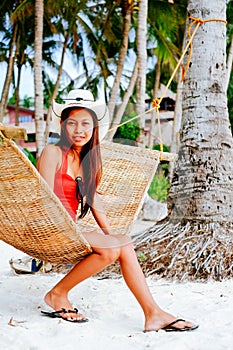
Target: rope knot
point(155, 103)
point(199, 20)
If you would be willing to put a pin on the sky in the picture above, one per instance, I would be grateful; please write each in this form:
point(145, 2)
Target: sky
point(27, 79)
point(26, 85)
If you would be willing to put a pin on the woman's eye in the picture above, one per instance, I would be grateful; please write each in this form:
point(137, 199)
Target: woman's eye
point(71, 123)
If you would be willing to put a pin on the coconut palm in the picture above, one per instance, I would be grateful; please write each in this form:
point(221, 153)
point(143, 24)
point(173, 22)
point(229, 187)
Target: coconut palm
point(9, 30)
point(66, 28)
point(166, 31)
point(18, 21)
point(8, 78)
point(127, 8)
point(104, 39)
point(25, 36)
point(141, 55)
point(196, 239)
point(39, 110)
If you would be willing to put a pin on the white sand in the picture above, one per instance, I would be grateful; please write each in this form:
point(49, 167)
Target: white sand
point(115, 319)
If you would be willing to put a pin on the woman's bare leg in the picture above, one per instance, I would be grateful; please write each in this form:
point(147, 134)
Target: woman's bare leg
point(155, 317)
point(102, 256)
point(107, 249)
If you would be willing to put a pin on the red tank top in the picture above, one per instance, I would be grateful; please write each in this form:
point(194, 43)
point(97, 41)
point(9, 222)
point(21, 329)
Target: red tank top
point(65, 187)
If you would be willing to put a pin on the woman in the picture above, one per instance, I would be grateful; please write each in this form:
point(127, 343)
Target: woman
point(72, 168)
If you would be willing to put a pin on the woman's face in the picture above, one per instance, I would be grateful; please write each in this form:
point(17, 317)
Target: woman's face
point(79, 127)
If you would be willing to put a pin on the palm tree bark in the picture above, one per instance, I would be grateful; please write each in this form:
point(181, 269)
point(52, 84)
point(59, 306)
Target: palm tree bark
point(56, 87)
point(127, 95)
point(202, 187)
point(175, 142)
point(127, 10)
point(9, 73)
point(17, 99)
point(39, 113)
point(142, 55)
point(155, 94)
point(196, 241)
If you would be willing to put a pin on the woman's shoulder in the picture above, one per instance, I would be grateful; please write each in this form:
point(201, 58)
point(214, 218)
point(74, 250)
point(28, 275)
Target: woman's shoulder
point(52, 150)
point(51, 154)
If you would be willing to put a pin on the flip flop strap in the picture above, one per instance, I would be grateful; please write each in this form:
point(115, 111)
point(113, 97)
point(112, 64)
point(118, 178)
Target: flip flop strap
point(172, 323)
point(65, 311)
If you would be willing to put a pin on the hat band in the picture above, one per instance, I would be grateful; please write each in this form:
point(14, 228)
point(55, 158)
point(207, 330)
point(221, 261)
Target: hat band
point(77, 99)
point(99, 119)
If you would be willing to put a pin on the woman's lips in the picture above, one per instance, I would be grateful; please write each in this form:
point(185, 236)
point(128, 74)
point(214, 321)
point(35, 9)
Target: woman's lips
point(78, 138)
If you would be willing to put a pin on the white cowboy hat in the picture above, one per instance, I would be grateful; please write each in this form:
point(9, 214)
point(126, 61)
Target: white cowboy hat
point(83, 99)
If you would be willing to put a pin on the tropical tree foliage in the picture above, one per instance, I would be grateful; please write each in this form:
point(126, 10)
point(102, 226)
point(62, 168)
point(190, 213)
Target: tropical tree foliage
point(96, 35)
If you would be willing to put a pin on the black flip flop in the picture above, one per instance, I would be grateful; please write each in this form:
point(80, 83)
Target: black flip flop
point(170, 327)
point(57, 314)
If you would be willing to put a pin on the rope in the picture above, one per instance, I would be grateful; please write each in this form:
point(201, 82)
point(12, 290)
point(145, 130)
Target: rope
point(156, 105)
point(157, 101)
point(199, 22)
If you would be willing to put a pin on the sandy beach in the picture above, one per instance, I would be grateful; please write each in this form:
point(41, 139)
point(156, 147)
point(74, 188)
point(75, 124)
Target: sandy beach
point(115, 319)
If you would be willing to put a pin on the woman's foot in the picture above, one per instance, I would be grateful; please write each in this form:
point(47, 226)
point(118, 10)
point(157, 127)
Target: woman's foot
point(167, 322)
point(58, 302)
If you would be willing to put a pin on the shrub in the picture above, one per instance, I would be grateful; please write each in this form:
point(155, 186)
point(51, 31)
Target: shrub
point(30, 156)
point(128, 133)
point(159, 187)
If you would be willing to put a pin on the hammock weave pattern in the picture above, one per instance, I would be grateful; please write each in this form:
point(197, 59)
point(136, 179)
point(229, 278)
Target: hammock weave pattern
point(33, 219)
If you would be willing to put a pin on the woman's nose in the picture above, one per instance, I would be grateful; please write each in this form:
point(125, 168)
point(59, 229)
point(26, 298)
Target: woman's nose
point(78, 128)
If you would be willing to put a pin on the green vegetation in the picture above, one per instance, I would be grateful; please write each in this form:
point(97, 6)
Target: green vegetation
point(30, 156)
point(128, 133)
point(230, 101)
point(159, 187)
point(141, 257)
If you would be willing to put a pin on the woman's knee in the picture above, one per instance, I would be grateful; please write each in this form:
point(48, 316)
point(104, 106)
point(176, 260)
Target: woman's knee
point(119, 244)
point(110, 255)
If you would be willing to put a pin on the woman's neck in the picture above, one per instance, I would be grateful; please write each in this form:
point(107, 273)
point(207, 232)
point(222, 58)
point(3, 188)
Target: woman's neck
point(76, 150)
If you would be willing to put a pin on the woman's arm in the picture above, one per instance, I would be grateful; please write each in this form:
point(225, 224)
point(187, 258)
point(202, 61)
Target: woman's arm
point(48, 163)
point(100, 215)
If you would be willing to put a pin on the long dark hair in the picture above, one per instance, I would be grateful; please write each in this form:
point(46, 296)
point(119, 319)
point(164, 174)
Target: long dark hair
point(90, 157)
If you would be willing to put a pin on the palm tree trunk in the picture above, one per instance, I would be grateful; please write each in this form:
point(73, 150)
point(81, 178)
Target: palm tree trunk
point(56, 87)
point(127, 9)
point(128, 93)
point(142, 55)
point(155, 94)
point(203, 186)
point(39, 113)
point(8, 79)
point(196, 241)
point(175, 142)
point(17, 96)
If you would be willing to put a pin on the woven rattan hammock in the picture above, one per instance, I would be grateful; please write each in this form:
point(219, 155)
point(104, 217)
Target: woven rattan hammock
point(34, 221)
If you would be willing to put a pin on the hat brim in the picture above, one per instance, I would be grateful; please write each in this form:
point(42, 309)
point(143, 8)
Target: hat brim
point(98, 107)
